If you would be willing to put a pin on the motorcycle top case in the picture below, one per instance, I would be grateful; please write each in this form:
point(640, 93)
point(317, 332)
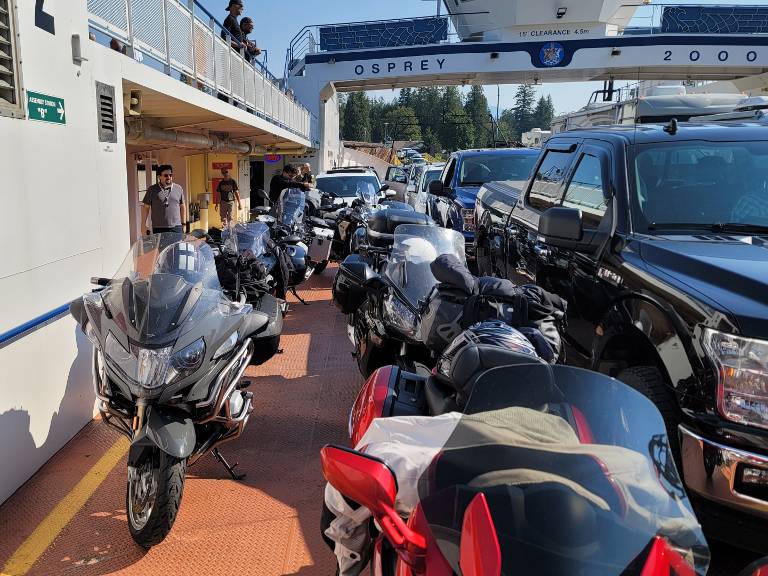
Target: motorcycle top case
point(320, 245)
point(382, 224)
point(349, 291)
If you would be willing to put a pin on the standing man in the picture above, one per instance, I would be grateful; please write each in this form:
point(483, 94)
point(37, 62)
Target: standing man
point(166, 203)
point(228, 192)
point(285, 180)
point(231, 24)
point(306, 174)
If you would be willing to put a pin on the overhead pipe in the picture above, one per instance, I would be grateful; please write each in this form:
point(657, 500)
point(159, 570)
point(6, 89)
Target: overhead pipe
point(137, 131)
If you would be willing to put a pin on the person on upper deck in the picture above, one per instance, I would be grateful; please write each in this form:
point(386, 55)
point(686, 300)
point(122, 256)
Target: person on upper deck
point(250, 50)
point(231, 24)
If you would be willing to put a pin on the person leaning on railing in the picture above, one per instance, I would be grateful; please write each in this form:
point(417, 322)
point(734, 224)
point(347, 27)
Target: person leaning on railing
point(250, 50)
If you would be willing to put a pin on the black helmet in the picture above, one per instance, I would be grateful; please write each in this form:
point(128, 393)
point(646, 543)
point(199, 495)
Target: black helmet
point(480, 347)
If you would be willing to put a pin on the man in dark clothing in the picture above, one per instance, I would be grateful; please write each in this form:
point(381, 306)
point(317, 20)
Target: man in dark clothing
point(231, 25)
point(306, 174)
point(165, 201)
point(250, 50)
point(285, 180)
point(228, 192)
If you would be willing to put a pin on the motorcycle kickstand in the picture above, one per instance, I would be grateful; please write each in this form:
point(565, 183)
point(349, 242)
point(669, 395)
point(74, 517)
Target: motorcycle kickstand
point(231, 469)
point(299, 298)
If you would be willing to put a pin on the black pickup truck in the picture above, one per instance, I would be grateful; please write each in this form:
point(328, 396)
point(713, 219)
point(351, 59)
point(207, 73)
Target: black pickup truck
point(658, 238)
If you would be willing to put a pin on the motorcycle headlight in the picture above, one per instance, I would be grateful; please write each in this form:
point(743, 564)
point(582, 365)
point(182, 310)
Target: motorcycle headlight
point(186, 361)
point(148, 368)
point(742, 364)
point(399, 315)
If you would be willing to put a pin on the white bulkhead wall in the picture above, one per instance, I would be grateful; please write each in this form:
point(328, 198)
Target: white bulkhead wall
point(65, 219)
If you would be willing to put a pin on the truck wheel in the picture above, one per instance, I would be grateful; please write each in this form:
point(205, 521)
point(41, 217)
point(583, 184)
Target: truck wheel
point(153, 497)
point(650, 383)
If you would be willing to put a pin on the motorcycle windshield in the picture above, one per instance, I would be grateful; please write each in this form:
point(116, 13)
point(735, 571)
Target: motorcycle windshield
point(414, 248)
point(577, 472)
point(166, 283)
point(367, 192)
point(246, 238)
point(290, 209)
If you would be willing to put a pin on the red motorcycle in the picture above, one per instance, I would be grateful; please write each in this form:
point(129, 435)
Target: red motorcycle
point(548, 470)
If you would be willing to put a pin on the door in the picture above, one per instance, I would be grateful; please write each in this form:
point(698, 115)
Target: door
point(397, 180)
point(544, 191)
point(257, 193)
point(440, 205)
point(588, 190)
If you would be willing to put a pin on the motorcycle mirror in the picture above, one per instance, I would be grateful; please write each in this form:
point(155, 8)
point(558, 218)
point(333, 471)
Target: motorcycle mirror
point(77, 310)
point(359, 477)
point(479, 551)
point(384, 188)
point(759, 568)
point(369, 482)
point(99, 281)
point(390, 193)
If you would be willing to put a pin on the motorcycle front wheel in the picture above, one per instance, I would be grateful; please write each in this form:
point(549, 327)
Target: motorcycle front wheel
point(153, 496)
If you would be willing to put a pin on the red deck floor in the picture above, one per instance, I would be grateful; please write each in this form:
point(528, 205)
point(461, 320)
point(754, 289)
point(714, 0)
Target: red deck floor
point(268, 524)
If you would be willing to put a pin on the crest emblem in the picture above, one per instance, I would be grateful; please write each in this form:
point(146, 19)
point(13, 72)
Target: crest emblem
point(552, 54)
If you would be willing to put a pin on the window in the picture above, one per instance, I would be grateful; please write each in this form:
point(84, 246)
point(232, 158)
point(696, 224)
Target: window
point(585, 191)
point(695, 184)
point(545, 190)
point(348, 186)
point(478, 170)
point(10, 104)
point(447, 176)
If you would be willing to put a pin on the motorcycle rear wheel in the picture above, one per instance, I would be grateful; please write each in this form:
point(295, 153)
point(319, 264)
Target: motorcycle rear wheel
point(153, 496)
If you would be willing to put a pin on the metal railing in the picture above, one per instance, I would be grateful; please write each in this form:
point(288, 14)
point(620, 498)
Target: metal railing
point(189, 43)
point(307, 41)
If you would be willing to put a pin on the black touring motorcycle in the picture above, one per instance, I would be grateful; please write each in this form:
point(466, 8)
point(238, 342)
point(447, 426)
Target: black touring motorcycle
point(406, 307)
point(170, 348)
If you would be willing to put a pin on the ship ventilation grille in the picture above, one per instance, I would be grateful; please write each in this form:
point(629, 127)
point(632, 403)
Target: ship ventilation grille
point(105, 100)
point(9, 80)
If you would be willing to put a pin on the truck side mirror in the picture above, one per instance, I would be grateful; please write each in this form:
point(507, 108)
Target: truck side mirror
point(561, 226)
point(436, 188)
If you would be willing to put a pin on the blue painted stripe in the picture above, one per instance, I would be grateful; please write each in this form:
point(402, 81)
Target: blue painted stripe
point(571, 47)
point(32, 325)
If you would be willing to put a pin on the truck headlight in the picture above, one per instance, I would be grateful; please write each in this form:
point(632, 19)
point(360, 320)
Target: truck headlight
point(742, 365)
point(468, 215)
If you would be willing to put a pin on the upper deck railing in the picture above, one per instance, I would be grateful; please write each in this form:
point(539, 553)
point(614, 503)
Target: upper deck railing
point(190, 44)
point(648, 19)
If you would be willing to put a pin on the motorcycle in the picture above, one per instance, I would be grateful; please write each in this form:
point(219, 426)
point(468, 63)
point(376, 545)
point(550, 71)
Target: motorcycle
point(547, 470)
point(383, 302)
point(169, 351)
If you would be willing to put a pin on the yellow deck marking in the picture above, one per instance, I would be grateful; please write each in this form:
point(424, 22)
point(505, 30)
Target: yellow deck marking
point(47, 531)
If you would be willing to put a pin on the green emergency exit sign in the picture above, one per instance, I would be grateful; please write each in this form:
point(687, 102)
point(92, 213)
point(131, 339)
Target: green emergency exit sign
point(46, 108)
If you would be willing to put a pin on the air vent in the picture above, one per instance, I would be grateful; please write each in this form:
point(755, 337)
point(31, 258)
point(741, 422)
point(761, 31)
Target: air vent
point(105, 101)
point(9, 77)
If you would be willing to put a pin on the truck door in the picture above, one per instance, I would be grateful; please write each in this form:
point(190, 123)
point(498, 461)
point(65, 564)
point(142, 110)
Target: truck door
point(588, 189)
point(544, 191)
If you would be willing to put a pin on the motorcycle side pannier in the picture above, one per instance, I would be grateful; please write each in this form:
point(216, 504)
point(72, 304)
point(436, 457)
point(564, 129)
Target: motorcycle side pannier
point(349, 291)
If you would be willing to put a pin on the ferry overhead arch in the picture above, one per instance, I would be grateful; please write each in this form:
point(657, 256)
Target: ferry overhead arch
point(519, 42)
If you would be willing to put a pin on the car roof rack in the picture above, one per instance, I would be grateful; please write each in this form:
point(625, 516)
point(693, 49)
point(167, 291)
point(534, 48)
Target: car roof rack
point(353, 169)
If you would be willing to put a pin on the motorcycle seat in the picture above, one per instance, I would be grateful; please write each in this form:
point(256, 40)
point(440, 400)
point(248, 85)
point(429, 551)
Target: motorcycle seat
point(440, 399)
point(254, 323)
point(461, 372)
point(385, 221)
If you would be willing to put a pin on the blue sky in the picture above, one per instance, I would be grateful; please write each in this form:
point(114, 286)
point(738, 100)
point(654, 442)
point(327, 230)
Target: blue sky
point(276, 23)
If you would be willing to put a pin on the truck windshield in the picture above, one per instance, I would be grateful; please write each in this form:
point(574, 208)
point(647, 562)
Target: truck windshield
point(697, 185)
point(478, 170)
point(348, 186)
